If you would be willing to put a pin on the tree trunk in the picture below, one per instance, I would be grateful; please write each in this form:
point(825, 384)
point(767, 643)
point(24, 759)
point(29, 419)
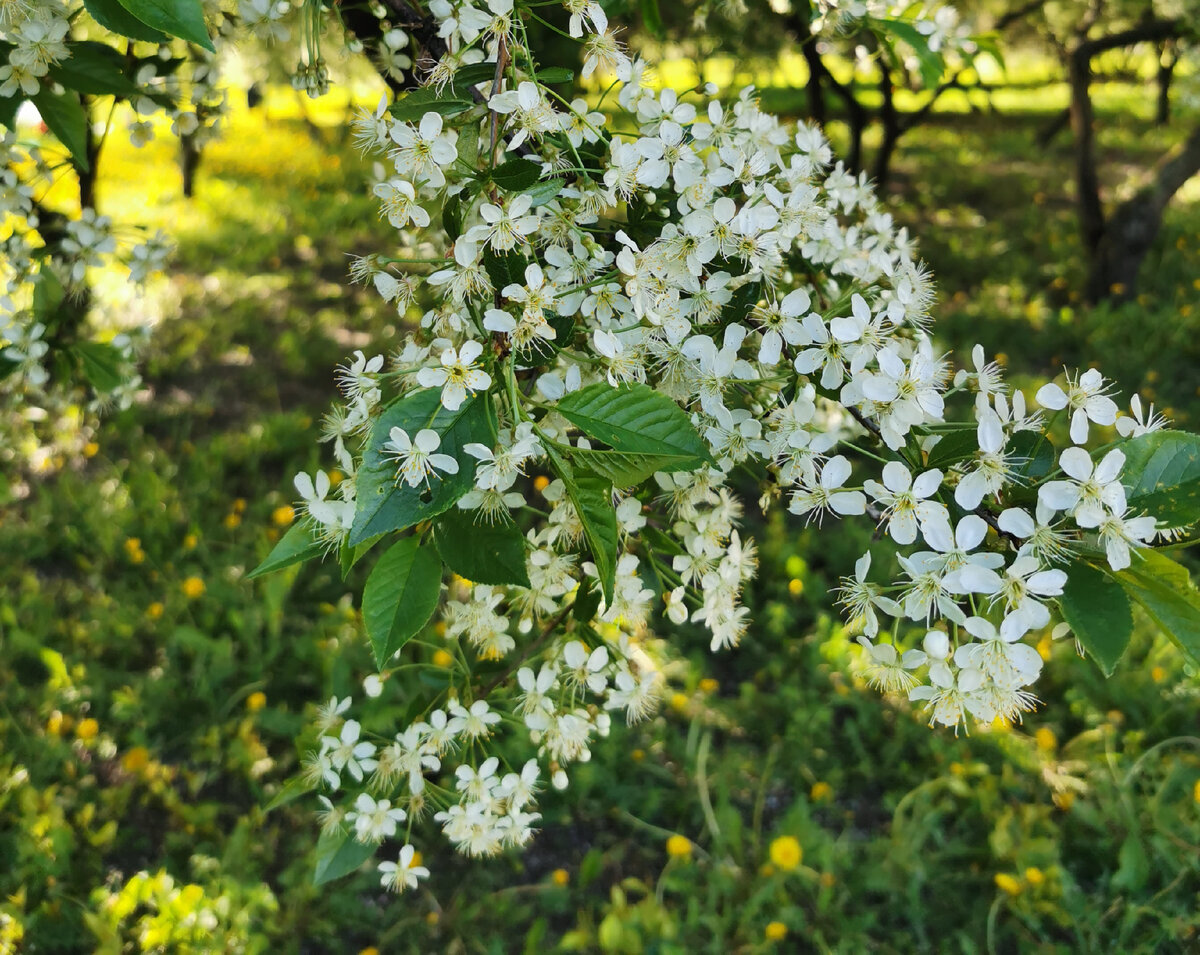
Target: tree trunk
point(1087, 182)
point(1166, 70)
point(891, 128)
point(189, 164)
point(1134, 225)
point(813, 88)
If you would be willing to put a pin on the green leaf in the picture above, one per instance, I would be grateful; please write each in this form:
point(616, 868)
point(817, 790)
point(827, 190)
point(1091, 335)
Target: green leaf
point(181, 18)
point(411, 107)
point(587, 601)
point(339, 854)
point(1165, 591)
point(505, 269)
point(48, 293)
point(349, 555)
point(101, 365)
point(383, 505)
point(517, 174)
point(8, 110)
point(474, 74)
point(468, 145)
point(637, 420)
point(619, 467)
point(401, 595)
point(481, 552)
point(1033, 455)
point(652, 18)
point(297, 545)
point(931, 64)
point(543, 192)
point(1099, 613)
point(64, 116)
point(1162, 476)
point(452, 217)
point(592, 497)
point(555, 75)
point(744, 298)
point(292, 790)
point(96, 69)
point(112, 16)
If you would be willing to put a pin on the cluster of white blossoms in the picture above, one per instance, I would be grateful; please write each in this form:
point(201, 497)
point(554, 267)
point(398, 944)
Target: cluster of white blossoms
point(939, 24)
point(37, 33)
point(701, 255)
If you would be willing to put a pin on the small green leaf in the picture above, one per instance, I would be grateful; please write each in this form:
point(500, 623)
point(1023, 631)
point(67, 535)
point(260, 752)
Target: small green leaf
point(592, 497)
point(384, 505)
point(181, 18)
point(64, 116)
point(624, 470)
point(517, 174)
point(468, 145)
point(543, 192)
point(636, 419)
point(1099, 613)
point(349, 554)
point(101, 365)
point(652, 18)
point(1165, 591)
point(48, 293)
point(1162, 476)
point(95, 69)
point(112, 16)
point(481, 552)
point(411, 107)
point(401, 595)
point(744, 298)
point(296, 546)
point(555, 75)
point(587, 602)
point(292, 790)
point(473, 74)
point(452, 217)
point(339, 854)
point(8, 110)
point(505, 269)
point(931, 63)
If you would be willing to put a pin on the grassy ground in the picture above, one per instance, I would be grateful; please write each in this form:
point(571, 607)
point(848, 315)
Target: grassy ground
point(152, 699)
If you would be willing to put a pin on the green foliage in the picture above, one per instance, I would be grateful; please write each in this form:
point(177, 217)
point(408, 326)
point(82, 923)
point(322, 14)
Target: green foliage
point(481, 552)
point(181, 18)
point(1162, 476)
point(1165, 591)
point(296, 546)
point(1100, 615)
point(64, 116)
point(401, 595)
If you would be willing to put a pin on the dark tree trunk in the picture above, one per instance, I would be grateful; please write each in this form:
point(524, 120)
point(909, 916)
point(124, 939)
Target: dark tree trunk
point(1166, 71)
point(189, 163)
point(814, 89)
point(1087, 182)
point(891, 128)
point(1135, 223)
point(87, 177)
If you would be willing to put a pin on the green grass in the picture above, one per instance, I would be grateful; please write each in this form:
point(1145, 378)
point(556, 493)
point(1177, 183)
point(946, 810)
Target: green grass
point(1090, 810)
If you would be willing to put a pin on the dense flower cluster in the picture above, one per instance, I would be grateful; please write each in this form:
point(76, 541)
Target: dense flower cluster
point(712, 255)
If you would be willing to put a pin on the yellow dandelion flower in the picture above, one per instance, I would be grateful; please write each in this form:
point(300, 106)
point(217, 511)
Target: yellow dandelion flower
point(1046, 740)
point(820, 792)
point(786, 853)
point(560, 877)
point(283, 516)
point(442, 658)
point(679, 847)
point(775, 932)
point(136, 760)
point(256, 701)
point(1008, 883)
point(87, 729)
point(155, 610)
point(709, 685)
point(1034, 876)
point(193, 587)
